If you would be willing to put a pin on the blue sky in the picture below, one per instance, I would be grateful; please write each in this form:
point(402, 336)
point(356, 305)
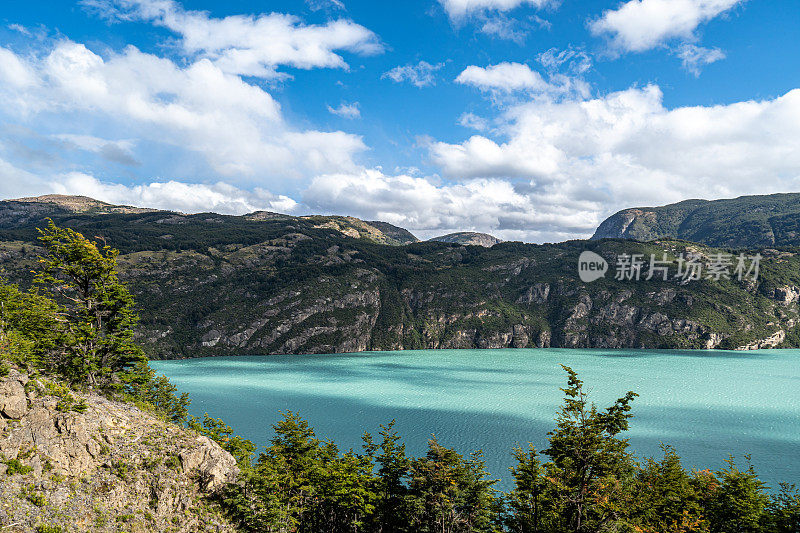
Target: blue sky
point(529, 119)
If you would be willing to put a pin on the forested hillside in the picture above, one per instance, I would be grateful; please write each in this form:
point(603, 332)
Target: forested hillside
point(261, 284)
point(748, 221)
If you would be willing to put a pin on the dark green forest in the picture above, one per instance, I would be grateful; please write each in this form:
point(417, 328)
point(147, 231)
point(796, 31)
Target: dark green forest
point(76, 323)
point(208, 285)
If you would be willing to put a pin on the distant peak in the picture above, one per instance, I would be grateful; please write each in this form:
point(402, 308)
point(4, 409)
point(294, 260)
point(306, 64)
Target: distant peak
point(469, 238)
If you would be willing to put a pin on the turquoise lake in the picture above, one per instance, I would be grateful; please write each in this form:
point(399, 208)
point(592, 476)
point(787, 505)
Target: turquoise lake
point(705, 404)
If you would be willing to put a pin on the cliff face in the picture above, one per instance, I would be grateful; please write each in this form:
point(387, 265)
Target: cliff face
point(209, 285)
point(106, 466)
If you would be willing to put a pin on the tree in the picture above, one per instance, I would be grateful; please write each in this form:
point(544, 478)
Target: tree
point(393, 466)
point(738, 503)
point(448, 493)
point(97, 311)
point(531, 504)
point(784, 511)
point(590, 463)
point(664, 498)
point(30, 329)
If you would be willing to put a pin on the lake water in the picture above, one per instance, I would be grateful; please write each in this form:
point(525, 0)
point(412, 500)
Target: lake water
point(706, 404)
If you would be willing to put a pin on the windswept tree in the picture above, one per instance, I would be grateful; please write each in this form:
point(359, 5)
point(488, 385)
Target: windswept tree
point(97, 311)
point(590, 462)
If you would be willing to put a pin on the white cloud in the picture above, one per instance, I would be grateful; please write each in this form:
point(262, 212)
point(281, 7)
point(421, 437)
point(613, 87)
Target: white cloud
point(247, 44)
point(507, 28)
point(237, 127)
point(695, 57)
point(505, 78)
point(627, 149)
point(473, 121)
point(174, 195)
point(117, 151)
point(640, 25)
point(19, 28)
point(348, 111)
point(430, 209)
point(459, 9)
point(419, 75)
point(575, 61)
point(14, 71)
point(328, 5)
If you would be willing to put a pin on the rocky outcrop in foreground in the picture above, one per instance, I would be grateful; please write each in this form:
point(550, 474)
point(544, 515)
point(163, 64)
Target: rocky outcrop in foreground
point(84, 463)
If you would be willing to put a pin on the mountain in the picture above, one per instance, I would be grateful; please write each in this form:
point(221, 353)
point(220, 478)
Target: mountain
point(469, 238)
point(30, 212)
point(209, 285)
point(744, 222)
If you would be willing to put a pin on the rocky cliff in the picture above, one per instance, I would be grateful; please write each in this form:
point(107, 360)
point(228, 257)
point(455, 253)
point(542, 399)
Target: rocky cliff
point(84, 463)
point(211, 285)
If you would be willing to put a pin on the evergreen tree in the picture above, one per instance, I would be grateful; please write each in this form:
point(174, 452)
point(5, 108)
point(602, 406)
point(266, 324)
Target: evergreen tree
point(590, 463)
point(531, 505)
point(664, 498)
point(97, 311)
point(391, 489)
point(448, 493)
point(738, 502)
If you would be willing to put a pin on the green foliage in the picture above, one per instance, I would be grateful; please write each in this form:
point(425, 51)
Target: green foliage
point(143, 385)
point(36, 498)
point(738, 504)
point(591, 484)
point(66, 401)
point(449, 493)
point(784, 511)
point(97, 311)
point(48, 528)
point(589, 461)
point(15, 466)
point(241, 449)
point(84, 333)
point(30, 330)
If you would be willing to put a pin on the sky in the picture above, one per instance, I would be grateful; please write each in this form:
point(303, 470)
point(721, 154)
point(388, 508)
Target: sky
point(532, 120)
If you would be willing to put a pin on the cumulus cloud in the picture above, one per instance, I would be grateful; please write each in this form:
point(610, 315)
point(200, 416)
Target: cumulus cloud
point(349, 111)
point(640, 25)
point(237, 127)
point(419, 75)
point(174, 196)
point(168, 195)
point(627, 149)
point(513, 77)
point(428, 209)
point(459, 9)
point(251, 45)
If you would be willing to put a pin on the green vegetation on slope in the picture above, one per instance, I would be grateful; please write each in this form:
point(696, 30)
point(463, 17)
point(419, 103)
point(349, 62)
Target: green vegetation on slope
point(211, 285)
point(590, 483)
point(77, 323)
point(747, 221)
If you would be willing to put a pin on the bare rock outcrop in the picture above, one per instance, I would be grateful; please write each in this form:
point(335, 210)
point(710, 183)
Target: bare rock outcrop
point(92, 464)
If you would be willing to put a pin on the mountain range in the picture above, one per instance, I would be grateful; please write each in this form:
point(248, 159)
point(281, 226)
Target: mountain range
point(265, 283)
point(744, 222)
